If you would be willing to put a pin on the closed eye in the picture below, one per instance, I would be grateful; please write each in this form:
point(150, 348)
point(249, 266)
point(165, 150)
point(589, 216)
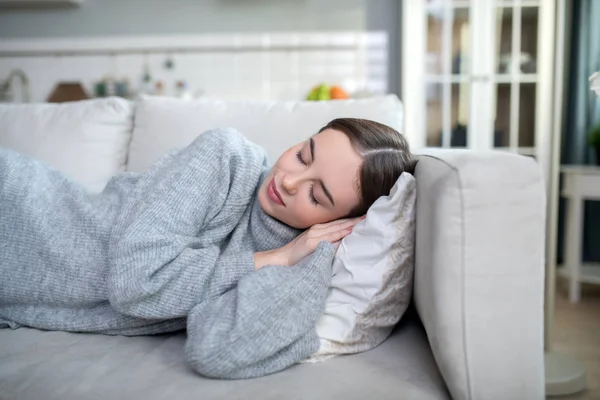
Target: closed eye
point(299, 157)
point(311, 195)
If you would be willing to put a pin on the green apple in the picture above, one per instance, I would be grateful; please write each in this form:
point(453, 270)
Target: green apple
point(323, 92)
point(312, 96)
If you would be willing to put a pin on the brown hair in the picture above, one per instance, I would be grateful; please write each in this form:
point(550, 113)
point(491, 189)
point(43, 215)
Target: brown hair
point(386, 156)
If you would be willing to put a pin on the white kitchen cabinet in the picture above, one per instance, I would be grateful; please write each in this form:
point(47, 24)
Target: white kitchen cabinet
point(479, 74)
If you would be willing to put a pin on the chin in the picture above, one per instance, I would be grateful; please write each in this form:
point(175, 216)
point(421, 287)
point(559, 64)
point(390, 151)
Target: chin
point(265, 204)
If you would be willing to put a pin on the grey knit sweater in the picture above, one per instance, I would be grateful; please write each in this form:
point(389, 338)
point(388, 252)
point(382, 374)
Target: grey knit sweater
point(158, 252)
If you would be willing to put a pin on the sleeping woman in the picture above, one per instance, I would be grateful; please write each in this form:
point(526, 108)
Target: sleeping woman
point(210, 239)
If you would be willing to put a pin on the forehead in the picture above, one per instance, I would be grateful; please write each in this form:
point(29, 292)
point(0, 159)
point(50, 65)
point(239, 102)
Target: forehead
point(338, 164)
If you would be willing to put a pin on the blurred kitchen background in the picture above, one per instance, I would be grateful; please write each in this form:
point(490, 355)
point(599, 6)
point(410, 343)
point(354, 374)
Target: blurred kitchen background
point(56, 50)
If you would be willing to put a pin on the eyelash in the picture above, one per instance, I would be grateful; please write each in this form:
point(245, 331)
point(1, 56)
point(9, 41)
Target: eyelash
point(311, 195)
point(299, 157)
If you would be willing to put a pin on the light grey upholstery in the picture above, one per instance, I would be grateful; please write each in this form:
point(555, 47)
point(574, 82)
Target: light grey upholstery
point(479, 271)
point(56, 365)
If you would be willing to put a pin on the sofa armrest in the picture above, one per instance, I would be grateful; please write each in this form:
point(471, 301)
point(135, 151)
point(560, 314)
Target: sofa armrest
point(479, 272)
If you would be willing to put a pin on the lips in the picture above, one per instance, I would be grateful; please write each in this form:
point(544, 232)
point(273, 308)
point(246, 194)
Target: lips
point(274, 194)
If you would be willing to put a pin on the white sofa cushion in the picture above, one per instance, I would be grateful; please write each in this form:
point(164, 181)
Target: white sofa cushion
point(87, 140)
point(479, 271)
point(164, 123)
point(372, 276)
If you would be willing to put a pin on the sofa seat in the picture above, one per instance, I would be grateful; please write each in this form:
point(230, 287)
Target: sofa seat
point(56, 365)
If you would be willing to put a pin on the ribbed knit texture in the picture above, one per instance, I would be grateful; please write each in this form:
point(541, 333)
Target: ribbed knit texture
point(158, 252)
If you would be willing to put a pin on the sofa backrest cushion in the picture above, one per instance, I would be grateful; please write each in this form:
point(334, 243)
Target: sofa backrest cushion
point(87, 140)
point(164, 123)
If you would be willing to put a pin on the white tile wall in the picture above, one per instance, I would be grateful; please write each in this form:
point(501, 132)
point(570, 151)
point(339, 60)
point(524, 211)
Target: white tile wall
point(270, 66)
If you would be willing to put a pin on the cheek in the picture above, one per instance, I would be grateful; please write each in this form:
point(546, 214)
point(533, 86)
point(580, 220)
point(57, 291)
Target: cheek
point(307, 215)
point(300, 215)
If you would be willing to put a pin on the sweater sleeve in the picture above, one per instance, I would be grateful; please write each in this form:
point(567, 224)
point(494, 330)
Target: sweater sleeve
point(265, 324)
point(158, 267)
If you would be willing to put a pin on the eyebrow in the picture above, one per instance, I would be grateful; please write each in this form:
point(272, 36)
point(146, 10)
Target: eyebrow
point(312, 154)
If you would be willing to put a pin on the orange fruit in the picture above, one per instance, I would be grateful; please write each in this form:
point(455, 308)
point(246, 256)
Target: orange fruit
point(338, 93)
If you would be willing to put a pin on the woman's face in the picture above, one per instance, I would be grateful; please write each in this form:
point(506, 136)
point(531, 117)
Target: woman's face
point(313, 182)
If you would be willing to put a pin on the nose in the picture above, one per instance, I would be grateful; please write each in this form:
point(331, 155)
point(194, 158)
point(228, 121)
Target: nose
point(290, 183)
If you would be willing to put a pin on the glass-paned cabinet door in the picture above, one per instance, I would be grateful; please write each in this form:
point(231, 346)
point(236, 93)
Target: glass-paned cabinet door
point(516, 75)
point(447, 74)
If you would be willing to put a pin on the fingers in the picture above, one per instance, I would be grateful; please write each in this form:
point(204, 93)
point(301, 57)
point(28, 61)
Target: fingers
point(337, 236)
point(332, 232)
point(336, 222)
point(331, 237)
point(320, 230)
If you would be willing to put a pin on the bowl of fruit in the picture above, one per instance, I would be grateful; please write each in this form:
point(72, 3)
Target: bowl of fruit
point(323, 92)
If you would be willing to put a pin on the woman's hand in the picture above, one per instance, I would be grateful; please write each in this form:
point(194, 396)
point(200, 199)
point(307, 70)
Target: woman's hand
point(306, 243)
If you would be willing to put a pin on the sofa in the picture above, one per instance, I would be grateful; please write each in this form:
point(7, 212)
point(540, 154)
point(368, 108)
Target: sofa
point(474, 329)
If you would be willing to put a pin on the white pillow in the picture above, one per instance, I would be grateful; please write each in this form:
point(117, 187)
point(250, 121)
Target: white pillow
point(86, 140)
point(372, 276)
point(164, 123)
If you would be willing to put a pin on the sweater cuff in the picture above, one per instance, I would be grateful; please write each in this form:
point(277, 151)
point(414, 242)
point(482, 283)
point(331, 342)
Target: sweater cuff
point(323, 259)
